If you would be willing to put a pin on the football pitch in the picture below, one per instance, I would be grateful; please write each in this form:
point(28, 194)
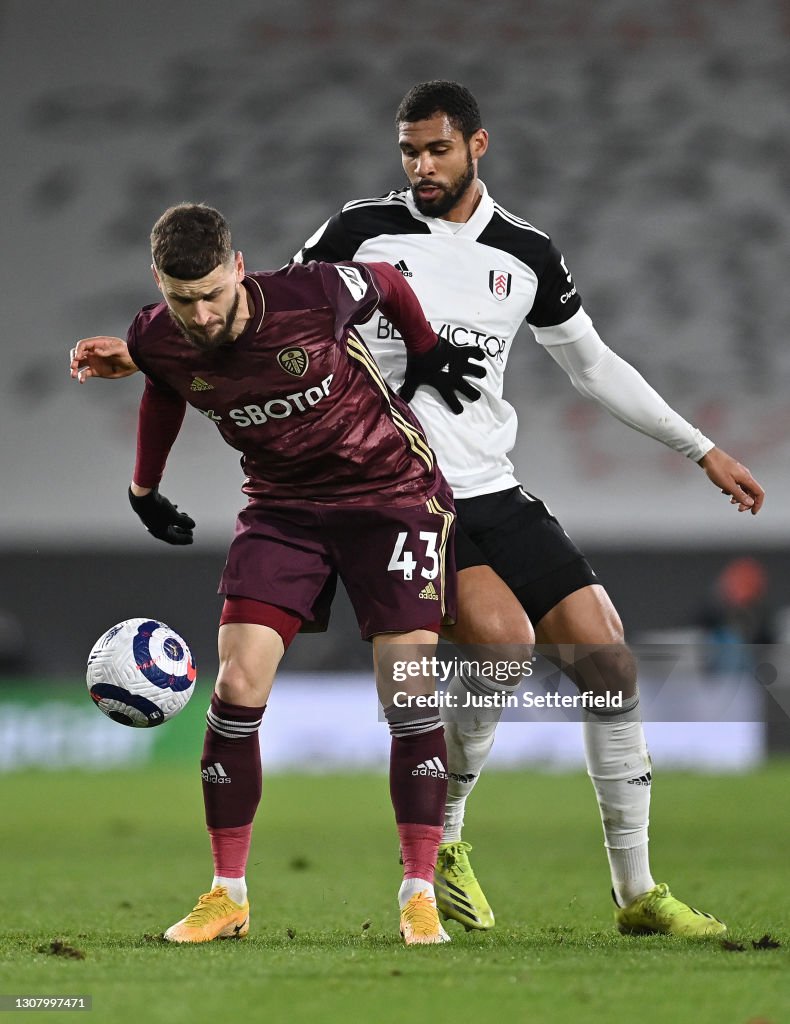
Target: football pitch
point(95, 866)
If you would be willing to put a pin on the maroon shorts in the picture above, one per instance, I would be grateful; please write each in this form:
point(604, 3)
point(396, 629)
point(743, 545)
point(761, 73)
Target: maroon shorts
point(397, 564)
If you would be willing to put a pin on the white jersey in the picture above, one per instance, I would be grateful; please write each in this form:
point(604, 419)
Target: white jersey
point(477, 282)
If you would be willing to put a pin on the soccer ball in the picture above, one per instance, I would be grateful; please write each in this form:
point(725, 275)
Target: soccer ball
point(141, 673)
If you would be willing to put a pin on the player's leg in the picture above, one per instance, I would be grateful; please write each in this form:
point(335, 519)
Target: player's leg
point(398, 568)
point(249, 653)
point(491, 620)
point(252, 639)
point(278, 563)
point(583, 634)
point(492, 544)
point(418, 776)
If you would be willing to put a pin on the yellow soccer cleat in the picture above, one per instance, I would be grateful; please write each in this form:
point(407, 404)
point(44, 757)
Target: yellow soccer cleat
point(458, 892)
point(657, 910)
point(215, 916)
point(419, 921)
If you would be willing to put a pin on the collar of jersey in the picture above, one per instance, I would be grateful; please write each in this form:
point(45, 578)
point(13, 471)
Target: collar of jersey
point(472, 227)
point(255, 323)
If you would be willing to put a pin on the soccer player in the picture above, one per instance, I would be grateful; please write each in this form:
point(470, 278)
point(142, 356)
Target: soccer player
point(340, 481)
point(478, 272)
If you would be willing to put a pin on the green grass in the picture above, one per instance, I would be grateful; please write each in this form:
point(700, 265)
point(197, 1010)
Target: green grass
point(105, 862)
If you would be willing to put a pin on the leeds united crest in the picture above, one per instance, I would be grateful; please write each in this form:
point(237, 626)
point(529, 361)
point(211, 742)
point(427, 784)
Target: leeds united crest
point(293, 361)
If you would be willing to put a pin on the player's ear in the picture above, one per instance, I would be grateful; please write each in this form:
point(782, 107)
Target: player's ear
point(239, 267)
point(157, 279)
point(478, 144)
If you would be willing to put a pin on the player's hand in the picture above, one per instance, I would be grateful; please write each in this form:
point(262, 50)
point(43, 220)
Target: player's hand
point(100, 357)
point(445, 368)
point(161, 518)
point(733, 479)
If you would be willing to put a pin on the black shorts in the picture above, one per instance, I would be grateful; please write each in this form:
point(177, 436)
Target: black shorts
point(516, 535)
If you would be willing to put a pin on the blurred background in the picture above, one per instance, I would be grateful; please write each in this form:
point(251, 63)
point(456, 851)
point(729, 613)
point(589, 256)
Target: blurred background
point(650, 142)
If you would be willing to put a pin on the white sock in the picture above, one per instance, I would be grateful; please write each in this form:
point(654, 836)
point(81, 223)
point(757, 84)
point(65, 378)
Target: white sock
point(630, 868)
point(410, 887)
point(618, 764)
point(237, 887)
point(469, 736)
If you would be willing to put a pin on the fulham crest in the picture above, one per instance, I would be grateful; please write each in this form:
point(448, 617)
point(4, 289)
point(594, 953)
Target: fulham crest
point(499, 283)
point(293, 361)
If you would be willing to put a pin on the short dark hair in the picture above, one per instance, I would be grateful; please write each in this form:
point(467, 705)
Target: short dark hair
point(189, 241)
point(439, 97)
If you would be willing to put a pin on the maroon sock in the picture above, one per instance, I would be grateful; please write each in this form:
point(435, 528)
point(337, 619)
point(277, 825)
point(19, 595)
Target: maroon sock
point(418, 787)
point(230, 848)
point(231, 764)
point(419, 847)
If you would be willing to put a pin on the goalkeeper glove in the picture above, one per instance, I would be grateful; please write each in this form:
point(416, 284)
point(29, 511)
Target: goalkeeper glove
point(444, 368)
point(161, 518)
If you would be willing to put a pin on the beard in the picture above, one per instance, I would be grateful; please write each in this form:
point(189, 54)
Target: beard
point(450, 194)
point(203, 341)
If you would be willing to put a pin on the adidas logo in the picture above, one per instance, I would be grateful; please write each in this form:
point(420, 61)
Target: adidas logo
point(401, 266)
point(429, 592)
point(198, 384)
point(433, 768)
point(215, 773)
point(457, 899)
point(642, 780)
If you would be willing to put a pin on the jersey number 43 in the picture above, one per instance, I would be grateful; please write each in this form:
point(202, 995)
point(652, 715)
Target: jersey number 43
point(402, 560)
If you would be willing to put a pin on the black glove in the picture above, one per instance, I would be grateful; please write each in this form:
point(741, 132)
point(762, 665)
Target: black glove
point(445, 368)
point(161, 518)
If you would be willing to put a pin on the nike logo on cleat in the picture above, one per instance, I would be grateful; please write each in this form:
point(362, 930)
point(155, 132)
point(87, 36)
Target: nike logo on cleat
point(238, 927)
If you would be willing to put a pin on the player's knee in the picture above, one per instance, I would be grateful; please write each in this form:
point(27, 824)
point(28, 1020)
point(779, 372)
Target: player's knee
point(504, 639)
point(505, 627)
point(241, 684)
point(619, 668)
point(610, 668)
point(510, 628)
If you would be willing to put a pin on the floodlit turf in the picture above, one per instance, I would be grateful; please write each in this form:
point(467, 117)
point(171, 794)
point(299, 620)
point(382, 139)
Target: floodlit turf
point(101, 864)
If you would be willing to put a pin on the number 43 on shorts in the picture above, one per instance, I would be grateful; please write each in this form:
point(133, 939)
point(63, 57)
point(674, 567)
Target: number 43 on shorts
point(402, 560)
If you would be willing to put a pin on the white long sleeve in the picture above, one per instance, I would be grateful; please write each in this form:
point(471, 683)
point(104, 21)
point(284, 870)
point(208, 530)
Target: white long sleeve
point(599, 373)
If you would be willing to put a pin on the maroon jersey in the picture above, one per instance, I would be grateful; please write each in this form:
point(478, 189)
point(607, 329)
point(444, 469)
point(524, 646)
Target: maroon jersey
point(297, 393)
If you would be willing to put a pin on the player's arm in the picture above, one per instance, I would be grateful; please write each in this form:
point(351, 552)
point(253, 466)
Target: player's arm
point(159, 422)
point(431, 361)
point(101, 356)
point(600, 374)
